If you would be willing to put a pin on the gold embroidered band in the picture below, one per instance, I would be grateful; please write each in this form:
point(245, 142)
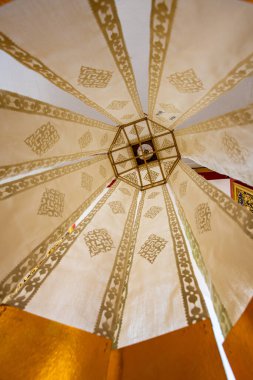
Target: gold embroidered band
point(16, 102)
point(160, 30)
point(219, 308)
point(241, 116)
point(109, 23)
point(194, 304)
point(111, 311)
point(9, 189)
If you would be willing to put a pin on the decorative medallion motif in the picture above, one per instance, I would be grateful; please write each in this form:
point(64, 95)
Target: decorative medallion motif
point(125, 191)
point(152, 212)
point(52, 203)
point(104, 139)
point(153, 195)
point(152, 174)
point(116, 207)
point(43, 139)
point(182, 188)
point(98, 241)
point(139, 130)
point(117, 104)
point(152, 247)
point(233, 150)
point(85, 140)
point(121, 158)
point(132, 177)
point(167, 166)
point(186, 81)
point(102, 171)
point(169, 108)
point(128, 116)
point(94, 78)
point(87, 181)
point(203, 217)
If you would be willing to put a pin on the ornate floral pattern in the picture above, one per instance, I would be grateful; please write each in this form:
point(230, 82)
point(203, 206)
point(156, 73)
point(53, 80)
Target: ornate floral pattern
point(116, 207)
point(203, 217)
point(152, 212)
point(87, 181)
point(117, 104)
point(186, 81)
point(233, 149)
point(43, 139)
point(85, 139)
point(52, 203)
point(98, 241)
point(152, 247)
point(90, 77)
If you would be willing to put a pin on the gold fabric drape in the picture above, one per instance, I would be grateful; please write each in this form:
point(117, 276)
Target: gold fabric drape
point(223, 144)
point(35, 134)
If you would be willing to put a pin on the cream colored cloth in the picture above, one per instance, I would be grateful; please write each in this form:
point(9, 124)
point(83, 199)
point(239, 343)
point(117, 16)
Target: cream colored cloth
point(223, 144)
point(35, 134)
point(82, 266)
point(79, 47)
point(199, 50)
point(222, 232)
point(33, 219)
point(158, 298)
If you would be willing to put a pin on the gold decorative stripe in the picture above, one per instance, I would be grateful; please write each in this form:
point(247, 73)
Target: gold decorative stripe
point(111, 311)
point(160, 30)
point(7, 45)
point(241, 116)
point(241, 71)
point(219, 308)
point(236, 212)
point(9, 189)
point(15, 169)
point(194, 304)
point(10, 282)
point(109, 23)
point(16, 102)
